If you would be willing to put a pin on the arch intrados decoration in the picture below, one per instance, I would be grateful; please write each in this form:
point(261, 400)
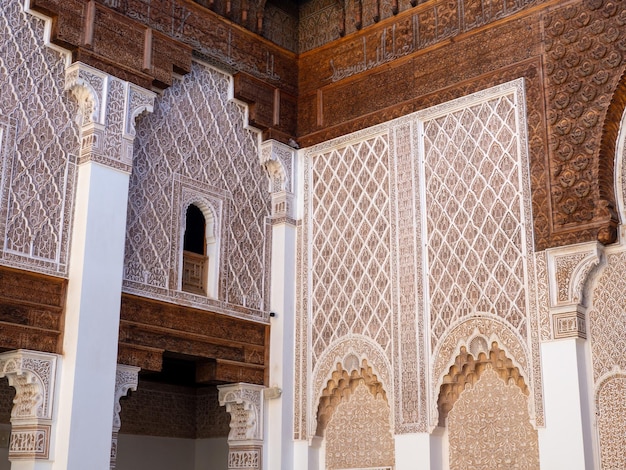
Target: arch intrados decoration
point(467, 369)
point(349, 351)
point(209, 216)
point(618, 183)
point(344, 379)
point(607, 164)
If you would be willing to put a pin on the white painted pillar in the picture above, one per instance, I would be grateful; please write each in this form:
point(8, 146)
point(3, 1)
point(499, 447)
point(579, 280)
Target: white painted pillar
point(421, 451)
point(309, 456)
point(90, 341)
point(279, 161)
point(562, 443)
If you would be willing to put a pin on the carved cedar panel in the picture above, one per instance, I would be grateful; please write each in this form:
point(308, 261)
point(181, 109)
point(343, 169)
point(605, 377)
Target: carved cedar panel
point(584, 44)
point(196, 134)
point(280, 27)
point(38, 146)
point(489, 428)
point(359, 434)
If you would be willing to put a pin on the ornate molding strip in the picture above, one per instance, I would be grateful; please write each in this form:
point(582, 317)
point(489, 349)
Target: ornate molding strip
point(33, 375)
point(244, 403)
point(569, 271)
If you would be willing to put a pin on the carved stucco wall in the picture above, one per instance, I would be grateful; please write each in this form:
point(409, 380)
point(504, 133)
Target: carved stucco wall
point(606, 324)
point(38, 146)
point(359, 433)
point(489, 428)
point(195, 148)
point(445, 192)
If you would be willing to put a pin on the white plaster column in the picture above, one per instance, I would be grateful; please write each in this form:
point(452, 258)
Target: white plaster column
point(566, 441)
point(244, 403)
point(33, 375)
point(126, 378)
point(279, 160)
point(108, 108)
point(422, 451)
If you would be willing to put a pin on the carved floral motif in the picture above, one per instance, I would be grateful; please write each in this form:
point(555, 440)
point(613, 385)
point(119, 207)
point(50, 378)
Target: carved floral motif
point(489, 428)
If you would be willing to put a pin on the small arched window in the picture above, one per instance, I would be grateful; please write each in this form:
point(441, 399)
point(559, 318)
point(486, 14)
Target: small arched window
point(195, 254)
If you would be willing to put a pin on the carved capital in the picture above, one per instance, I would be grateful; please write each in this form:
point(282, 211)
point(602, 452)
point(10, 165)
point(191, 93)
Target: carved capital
point(32, 374)
point(126, 378)
point(244, 403)
point(569, 325)
point(88, 85)
point(108, 108)
point(279, 161)
point(570, 269)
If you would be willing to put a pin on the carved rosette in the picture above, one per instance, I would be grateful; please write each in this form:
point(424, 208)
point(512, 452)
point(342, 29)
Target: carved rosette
point(279, 162)
point(108, 108)
point(126, 378)
point(244, 403)
point(569, 272)
point(32, 374)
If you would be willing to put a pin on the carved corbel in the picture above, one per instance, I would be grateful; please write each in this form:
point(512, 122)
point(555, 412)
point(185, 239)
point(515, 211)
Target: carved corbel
point(33, 376)
point(126, 378)
point(278, 160)
point(569, 272)
point(244, 403)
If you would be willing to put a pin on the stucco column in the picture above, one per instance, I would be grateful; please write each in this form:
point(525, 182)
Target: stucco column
point(422, 450)
point(244, 403)
point(33, 375)
point(279, 161)
point(107, 110)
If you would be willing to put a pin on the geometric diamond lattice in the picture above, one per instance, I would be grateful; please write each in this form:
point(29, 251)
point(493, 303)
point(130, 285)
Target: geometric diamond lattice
point(350, 242)
point(38, 146)
point(198, 134)
point(475, 227)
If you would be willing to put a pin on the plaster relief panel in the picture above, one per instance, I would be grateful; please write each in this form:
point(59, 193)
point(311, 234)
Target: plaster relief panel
point(195, 147)
point(359, 433)
point(417, 234)
point(489, 428)
point(38, 146)
point(611, 417)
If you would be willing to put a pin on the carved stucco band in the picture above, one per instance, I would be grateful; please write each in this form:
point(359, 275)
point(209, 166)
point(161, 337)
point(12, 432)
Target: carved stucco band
point(569, 270)
point(244, 403)
point(32, 374)
point(279, 162)
point(108, 108)
point(126, 378)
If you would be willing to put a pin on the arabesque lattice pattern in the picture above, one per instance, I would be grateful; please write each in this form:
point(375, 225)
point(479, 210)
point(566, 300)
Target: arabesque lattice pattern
point(38, 146)
point(611, 413)
point(350, 245)
point(196, 133)
point(475, 218)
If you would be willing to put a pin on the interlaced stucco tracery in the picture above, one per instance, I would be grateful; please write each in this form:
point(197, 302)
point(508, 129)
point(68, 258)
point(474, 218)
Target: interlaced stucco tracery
point(197, 141)
point(35, 118)
point(455, 208)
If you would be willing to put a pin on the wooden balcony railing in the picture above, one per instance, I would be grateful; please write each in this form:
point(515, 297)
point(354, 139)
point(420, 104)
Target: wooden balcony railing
point(194, 272)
